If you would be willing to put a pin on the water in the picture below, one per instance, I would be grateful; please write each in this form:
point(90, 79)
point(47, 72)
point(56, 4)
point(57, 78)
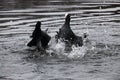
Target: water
point(99, 18)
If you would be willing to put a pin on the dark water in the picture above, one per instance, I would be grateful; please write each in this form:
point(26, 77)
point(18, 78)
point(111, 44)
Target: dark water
point(99, 18)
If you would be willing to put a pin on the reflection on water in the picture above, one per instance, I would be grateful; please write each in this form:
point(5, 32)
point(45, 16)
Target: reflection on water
point(99, 18)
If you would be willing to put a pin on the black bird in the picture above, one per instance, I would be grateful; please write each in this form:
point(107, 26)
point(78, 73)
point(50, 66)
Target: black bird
point(40, 38)
point(66, 34)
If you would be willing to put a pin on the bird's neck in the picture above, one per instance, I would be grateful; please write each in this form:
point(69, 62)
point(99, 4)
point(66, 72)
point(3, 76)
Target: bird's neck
point(67, 23)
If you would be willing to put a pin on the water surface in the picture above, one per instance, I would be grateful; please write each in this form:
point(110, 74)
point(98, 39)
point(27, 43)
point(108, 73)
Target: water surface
point(99, 18)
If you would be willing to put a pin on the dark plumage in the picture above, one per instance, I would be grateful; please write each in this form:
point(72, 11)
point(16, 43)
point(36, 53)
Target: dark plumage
point(39, 38)
point(66, 33)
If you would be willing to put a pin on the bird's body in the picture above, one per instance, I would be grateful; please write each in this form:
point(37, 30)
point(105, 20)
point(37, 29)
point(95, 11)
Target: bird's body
point(40, 38)
point(66, 33)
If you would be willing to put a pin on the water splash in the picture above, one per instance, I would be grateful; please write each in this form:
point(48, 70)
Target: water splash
point(59, 47)
point(80, 52)
point(76, 52)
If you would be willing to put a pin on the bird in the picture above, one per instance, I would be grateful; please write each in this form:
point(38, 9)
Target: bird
point(67, 35)
point(40, 38)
